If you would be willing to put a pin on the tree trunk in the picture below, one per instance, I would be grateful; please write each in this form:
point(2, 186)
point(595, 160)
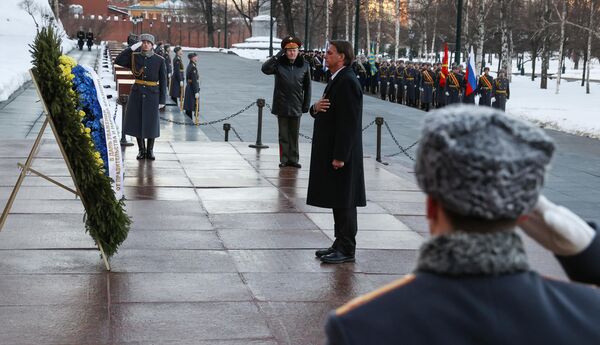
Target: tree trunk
point(207, 9)
point(584, 67)
point(435, 19)
point(326, 22)
point(561, 51)
point(367, 27)
point(545, 47)
point(533, 58)
point(346, 14)
point(397, 36)
point(466, 28)
point(589, 46)
point(288, 16)
point(353, 27)
point(504, 52)
point(480, 35)
point(380, 19)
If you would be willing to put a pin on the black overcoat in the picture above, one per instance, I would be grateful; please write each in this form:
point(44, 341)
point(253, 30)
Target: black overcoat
point(501, 91)
point(484, 89)
point(192, 87)
point(337, 134)
point(427, 82)
point(141, 116)
point(176, 78)
point(291, 95)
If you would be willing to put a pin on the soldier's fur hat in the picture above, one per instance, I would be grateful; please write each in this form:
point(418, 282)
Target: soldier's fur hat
point(480, 163)
point(147, 37)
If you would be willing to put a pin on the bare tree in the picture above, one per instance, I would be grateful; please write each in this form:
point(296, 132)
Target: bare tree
point(397, 31)
point(545, 46)
point(561, 52)
point(246, 10)
point(203, 9)
point(589, 45)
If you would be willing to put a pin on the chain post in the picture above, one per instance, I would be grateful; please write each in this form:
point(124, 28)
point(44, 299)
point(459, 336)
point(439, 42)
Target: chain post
point(226, 128)
point(123, 102)
point(379, 122)
point(259, 145)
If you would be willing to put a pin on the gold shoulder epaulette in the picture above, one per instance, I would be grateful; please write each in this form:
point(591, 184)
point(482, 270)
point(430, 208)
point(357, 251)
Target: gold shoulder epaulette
point(360, 300)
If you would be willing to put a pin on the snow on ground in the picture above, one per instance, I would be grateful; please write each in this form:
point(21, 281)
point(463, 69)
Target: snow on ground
point(17, 31)
point(572, 110)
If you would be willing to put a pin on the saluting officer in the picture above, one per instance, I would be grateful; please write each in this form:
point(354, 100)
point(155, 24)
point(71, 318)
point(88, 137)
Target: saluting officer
point(177, 78)
point(484, 88)
point(501, 91)
point(148, 93)
point(192, 89)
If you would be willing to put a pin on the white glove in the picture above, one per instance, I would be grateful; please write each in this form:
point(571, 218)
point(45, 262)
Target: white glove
point(168, 75)
point(136, 46)
point(493, 99)
point(447, 94)
point(197, 95)
point(557, 229)
point(420, 89)
point(160, 106)
point(180, 84)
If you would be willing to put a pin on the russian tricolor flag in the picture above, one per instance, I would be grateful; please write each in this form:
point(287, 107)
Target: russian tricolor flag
point(470, 76)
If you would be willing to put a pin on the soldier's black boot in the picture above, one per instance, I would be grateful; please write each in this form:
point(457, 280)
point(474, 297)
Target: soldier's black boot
point(150, 149)
point(141, 149)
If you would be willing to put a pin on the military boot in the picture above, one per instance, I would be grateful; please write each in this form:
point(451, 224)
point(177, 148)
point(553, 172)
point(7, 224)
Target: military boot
point(149, 151)
point(142, 149)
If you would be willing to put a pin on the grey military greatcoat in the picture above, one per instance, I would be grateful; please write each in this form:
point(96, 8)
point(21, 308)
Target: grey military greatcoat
point(150, 90)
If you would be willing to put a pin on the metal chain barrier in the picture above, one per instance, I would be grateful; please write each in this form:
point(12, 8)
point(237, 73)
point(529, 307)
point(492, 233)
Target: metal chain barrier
point(369, 125)
point(236, 134)
point(185, 123)
point(402, 149)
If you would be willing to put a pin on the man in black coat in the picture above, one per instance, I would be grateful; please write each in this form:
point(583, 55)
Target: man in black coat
point(336, 177)
point(192, 88)
point(482, 171)
point(148, 93)
point(500, 91)
point(90, 39)
point(291, 97)
point(177, 79)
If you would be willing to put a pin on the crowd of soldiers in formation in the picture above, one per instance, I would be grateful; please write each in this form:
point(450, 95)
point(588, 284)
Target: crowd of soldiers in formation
point(421, 85)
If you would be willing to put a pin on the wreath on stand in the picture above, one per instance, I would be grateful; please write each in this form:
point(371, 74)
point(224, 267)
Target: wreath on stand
point(72, 102)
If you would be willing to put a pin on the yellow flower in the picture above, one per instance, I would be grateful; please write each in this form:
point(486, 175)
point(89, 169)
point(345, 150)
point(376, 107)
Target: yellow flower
point(87, 130)
point(97, 155)
point(67, 60)
point(82, 114)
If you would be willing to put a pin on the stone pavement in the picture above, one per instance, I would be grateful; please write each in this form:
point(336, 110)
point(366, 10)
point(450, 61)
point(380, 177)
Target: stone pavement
point(221, 249)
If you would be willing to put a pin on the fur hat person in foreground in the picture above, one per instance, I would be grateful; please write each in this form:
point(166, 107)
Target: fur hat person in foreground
point(483, 172)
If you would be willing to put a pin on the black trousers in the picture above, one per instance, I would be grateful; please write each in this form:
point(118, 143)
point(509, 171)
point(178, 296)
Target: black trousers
point(345, 229)
point(289, 129)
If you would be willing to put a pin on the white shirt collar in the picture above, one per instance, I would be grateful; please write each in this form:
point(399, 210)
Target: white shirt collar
point(336, 72)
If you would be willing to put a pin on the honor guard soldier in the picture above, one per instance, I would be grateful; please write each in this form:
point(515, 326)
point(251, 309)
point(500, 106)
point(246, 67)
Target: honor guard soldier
point(399, 82)
point(453, 86)
point(167, 56)
point(440, 86)
point(90, 39)
point(427, 81)
point(148, 93)
point(291, 97)
point(501, 91)
point(409, 81)
point(80, 38)
point(383, 80)
point(192, 89)
point(484, 88)
point(177, 78)
point(392, 82)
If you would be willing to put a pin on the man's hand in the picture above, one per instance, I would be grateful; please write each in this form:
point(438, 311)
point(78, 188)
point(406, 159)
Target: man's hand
point(280, 53)
point(136, 46)
point(180, 84)
point(161, 106)
point(493, 99)
point(197, 95)
point(447, 93)
point(168, 75)
point(321, 105)
point(557, 229)
point(337, 164)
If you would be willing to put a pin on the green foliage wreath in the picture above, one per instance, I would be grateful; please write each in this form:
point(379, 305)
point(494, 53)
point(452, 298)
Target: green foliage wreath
point(106, 220)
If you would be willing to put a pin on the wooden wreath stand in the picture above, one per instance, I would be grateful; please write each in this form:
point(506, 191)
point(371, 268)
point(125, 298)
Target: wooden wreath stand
point(26, 168)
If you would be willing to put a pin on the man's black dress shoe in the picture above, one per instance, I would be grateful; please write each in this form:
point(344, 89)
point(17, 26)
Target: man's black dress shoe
point(337, 257)
point(282, 165)
point(295, 165)
point(323, 252)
